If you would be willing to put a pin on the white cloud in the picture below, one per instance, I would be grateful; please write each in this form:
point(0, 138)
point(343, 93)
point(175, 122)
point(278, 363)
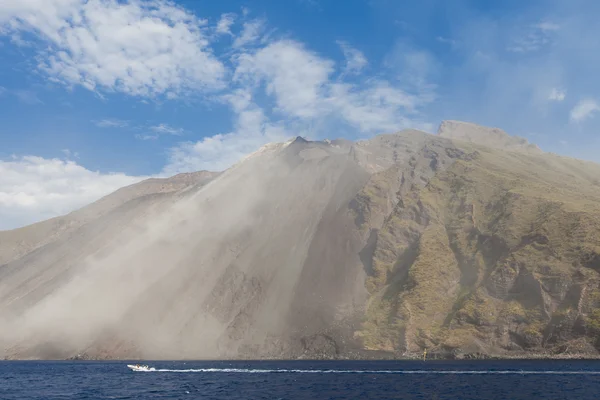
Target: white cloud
point(224, 24)
point(111, 123)
point(251, 32)
point(34, 188)
point(166, 129)
point(377, 108)
point(584, 109)
point(300, 82)
point(136, 47)
point(355, 59)
point(557, 94)
point(303, 88)
point(252, 130)
point(295, 76)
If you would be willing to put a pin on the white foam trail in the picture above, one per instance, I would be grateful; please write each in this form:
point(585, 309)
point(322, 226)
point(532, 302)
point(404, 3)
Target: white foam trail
point(337, 371)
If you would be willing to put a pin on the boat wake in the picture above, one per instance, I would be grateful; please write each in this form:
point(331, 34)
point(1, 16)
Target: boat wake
point(338, 371)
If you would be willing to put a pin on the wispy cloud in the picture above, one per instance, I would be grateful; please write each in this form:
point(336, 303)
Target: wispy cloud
point(547, 26)
point(451, 42)
point(157, 131)
point(111, 123)
point(251, 32)
point(141, 136)
point(225, 23)
point(534, 37)
point(584, 109)
point(68, 153)
point(557, 95)
point(27, 97)
point(355, 59)
point(19, 41)
point(166, 129)
point(415, 69)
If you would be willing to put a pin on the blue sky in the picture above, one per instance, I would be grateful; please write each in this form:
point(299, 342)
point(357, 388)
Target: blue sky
point(97, 94)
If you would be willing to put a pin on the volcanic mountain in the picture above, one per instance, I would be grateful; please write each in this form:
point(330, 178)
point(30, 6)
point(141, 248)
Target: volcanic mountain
point(467, 242)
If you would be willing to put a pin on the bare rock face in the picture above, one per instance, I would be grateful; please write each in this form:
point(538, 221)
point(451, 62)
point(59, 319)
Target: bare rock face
point(469, 243)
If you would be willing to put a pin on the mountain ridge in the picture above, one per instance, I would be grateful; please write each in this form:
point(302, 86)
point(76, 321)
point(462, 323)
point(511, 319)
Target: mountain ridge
point(488, 136)
point(326, 249)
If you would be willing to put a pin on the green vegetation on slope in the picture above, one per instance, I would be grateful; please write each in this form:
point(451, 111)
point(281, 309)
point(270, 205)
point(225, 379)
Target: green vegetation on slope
point(499, 252)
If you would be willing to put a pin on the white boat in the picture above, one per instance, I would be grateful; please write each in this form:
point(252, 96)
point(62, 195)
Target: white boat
point(139, 367)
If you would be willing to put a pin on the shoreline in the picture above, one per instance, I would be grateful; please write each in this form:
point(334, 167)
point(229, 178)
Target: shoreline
point(430, 357)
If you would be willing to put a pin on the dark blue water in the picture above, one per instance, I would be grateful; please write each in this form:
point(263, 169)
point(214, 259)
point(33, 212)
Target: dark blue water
point(501, 380)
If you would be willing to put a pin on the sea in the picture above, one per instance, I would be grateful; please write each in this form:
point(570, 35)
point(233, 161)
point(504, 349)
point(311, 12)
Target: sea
point(271, 380)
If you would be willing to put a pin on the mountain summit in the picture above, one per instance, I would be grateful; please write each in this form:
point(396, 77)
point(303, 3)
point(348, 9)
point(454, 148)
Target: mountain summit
point(492, 137)
point(468, 243)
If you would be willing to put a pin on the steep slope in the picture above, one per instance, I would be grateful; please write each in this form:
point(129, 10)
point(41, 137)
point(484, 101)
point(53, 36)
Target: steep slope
point(497, 254)
point(468, 242)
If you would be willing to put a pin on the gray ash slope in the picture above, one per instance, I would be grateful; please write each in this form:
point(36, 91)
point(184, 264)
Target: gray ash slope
point(299, 250)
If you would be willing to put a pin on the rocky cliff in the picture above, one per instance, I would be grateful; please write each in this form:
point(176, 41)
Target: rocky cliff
point(469, 242)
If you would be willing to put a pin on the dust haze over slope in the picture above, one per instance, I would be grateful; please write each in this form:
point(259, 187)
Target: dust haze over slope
point(470, 241)
point(219, 265)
